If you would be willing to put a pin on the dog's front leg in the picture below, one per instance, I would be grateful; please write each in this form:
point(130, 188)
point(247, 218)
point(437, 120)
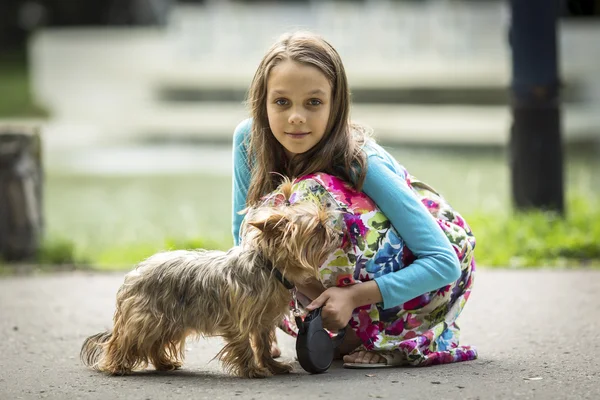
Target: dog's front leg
point(262, 343)
point(238, 357)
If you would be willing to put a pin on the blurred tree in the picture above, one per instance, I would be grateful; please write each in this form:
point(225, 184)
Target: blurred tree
point(12, 37)
point(19, 17)
point(535, 139)
point(581, 8)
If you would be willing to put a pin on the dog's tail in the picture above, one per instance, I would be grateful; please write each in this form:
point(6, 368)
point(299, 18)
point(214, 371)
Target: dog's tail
point(93, 348)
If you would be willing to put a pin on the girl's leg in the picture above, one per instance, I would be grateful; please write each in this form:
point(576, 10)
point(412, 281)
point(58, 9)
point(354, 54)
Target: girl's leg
point(347, 352)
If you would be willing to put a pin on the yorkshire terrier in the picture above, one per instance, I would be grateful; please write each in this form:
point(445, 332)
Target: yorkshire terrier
point(233, 294)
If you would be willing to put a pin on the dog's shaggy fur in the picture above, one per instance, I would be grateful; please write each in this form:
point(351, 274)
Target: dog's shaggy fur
point(233, 294)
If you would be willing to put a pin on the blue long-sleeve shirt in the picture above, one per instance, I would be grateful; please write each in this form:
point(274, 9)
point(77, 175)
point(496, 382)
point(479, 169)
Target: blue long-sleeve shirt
point(436, 263)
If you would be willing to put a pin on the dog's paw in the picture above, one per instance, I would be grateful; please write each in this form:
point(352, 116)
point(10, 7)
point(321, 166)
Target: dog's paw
point(256, 373)
point(278, 368)
point(168, 366)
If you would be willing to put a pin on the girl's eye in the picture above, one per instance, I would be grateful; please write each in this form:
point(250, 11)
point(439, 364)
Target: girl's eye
point(281, 102)
point(315, 102)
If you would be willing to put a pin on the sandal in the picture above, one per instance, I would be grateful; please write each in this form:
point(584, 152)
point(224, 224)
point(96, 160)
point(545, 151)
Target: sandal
point(392, 358)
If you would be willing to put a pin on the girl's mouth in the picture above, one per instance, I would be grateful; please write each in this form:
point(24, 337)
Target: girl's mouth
point(297, 135)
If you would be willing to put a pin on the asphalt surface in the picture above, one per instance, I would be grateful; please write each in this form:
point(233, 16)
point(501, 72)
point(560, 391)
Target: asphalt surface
point(537, 332)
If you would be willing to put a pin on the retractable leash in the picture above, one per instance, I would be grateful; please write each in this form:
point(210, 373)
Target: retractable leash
point(314, 346)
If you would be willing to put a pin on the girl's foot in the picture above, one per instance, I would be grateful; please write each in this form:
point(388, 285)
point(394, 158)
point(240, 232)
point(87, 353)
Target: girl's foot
point(275, 350)
point(364, 357)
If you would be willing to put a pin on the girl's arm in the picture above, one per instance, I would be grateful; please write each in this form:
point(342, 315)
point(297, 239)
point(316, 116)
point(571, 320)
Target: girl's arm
point(436, 263)
point(241, 175)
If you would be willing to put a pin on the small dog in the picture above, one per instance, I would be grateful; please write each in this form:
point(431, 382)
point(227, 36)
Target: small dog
point(232, 294)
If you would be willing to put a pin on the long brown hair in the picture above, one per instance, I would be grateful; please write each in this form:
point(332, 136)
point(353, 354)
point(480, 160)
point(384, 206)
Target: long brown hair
point(338, 153)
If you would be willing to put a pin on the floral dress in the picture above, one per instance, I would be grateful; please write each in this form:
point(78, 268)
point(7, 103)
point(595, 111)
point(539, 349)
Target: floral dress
point(422, 331)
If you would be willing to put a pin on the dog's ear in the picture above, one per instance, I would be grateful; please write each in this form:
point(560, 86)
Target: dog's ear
point(270, 223)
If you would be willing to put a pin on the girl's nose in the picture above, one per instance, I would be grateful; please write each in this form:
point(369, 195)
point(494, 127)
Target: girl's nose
point(296, 118)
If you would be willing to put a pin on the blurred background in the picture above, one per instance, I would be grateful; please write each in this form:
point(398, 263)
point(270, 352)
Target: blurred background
point(137, 101)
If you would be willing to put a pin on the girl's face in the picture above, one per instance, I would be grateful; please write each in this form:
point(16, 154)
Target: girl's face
point(298, 105)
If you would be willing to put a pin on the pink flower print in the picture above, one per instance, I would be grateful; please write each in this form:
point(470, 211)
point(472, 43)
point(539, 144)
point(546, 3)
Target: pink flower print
point(275, 199)
point(460, 252)
point(344, 280)
point(363, 319)
point(361, 203)
point(408, 345)
point(448, 357)
point(326, 179)
point(305, 177)
point(367, 331)
point(442, 291)
point(335, 186)
point(410, 335)
point(364, 276)
point(431, 205)
point(467, 294)
point(459, 221)
point(346, 242)
point(411, 322)
point(355, 226)
point(417, 302)
point(395, 328)
point(465, 356)
point(444, 225)
point(407, 256)
point(428, 335)
point(407, 179)
point(356, 201)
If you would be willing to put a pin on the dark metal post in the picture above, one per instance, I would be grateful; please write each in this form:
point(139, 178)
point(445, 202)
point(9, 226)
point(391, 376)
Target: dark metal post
point(536, 158)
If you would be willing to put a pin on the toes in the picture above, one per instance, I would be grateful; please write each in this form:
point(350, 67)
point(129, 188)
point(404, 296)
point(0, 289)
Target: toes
point(364, 357)
point(370, 358)
point(355, 357)
point(377, 359)
point(351, 358)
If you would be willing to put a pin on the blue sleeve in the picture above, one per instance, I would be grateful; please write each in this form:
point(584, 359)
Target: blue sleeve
point(436, 263)
point(241, 175)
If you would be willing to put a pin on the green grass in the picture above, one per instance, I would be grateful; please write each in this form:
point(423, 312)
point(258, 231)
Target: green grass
point(519, 240)
point(16, 99)
point(540, 239)
point(113, 222)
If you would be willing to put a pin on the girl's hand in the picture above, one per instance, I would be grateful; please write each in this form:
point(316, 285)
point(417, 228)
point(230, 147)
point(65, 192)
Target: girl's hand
point(339, 302)
point(337, 306)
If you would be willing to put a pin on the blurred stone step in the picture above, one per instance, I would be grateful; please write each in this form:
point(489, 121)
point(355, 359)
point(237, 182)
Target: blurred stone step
point(418, 83)
point(392, 124)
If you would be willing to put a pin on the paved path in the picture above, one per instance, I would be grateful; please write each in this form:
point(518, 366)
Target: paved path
point(538, 334)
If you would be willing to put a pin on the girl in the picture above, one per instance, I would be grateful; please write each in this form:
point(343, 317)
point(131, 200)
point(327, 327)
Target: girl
point(404, 309)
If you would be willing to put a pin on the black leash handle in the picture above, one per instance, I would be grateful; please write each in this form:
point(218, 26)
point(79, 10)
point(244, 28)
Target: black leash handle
point(314, 346)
